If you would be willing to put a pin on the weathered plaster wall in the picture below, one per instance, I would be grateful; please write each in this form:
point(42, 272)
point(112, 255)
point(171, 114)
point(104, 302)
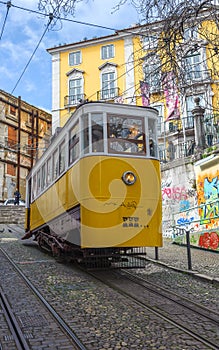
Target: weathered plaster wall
point(178, 190)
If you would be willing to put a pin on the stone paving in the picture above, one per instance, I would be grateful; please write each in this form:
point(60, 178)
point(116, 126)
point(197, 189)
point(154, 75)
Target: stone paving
point(204, 262)
point(97, 313)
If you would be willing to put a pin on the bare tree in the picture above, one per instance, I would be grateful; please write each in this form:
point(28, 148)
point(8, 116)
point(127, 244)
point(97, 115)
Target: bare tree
point(174, 31)
point(58, 8)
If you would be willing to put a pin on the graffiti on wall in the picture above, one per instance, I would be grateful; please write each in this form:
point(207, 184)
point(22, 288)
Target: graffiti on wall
point(208, 198)
point(209, 240)
point(175, 193)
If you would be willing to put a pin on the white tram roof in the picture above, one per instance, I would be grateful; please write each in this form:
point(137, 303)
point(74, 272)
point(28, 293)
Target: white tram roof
point(89, 107)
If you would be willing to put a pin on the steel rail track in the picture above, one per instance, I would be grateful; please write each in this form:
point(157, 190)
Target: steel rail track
point(13, 325)
point(101, 276)
point(174, 297)
point(55, 315)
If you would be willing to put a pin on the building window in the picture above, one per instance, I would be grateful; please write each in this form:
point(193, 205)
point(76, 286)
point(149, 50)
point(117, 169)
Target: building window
point(75, 90)
point(150, 41)
point(12, 137)
point(152, 75)
point(108, 85)
point(12, 111)
point(11, 169)
point(75, 58)
point(190, 33)
point(74, 143)
point(193, 67)
point(107, 52)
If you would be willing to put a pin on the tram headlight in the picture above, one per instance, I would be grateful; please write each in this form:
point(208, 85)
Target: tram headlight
point(129, 178)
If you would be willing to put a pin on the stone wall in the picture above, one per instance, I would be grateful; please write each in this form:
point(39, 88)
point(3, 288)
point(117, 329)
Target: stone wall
point(12, 214)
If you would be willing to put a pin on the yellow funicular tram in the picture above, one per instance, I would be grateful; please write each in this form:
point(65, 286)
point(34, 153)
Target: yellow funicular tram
point(95, 195)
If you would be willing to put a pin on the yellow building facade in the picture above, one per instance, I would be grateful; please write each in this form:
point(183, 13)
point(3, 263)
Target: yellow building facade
point(139, 66)
point(148, 66)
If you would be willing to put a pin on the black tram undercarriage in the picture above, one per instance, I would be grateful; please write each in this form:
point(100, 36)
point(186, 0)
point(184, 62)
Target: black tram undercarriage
point(64, 251)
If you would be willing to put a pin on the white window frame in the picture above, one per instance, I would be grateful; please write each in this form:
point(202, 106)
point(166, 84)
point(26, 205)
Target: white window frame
point(150, 41)
point(77, 89)
point(190, 33)
point(153, 76)
point(108, 86)
point(74, 58)
point(193, 67)
point(107, 51)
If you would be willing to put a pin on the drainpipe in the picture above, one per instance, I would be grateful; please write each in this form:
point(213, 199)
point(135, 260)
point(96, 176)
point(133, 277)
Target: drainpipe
point(19, 143)
point(37, 134)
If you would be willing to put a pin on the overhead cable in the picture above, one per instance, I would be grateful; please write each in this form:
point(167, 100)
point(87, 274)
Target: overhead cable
point(3, 27)
point(47, 26)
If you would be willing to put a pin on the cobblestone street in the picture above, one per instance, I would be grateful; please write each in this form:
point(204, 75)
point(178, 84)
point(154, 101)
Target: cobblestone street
point(204, 262)
point(92, 309)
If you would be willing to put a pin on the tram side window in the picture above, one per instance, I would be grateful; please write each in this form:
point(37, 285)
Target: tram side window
point(62, 157)
point(85, 134)
point(49, 171)
point(55, 164)
point(34, 182)
point(152, 137)
point(38, 182)
point(126, 135)
point(43, 176)
point(74, 143)
point(97, 132)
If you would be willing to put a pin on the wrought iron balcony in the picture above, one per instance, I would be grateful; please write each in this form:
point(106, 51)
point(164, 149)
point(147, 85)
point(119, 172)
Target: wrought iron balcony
point(73, 100)
point(197, 75)
point(108, 94)
point(174, 149)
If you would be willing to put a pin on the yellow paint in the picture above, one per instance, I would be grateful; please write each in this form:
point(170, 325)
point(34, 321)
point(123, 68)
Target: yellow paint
point(91, 61)
point(112, 213)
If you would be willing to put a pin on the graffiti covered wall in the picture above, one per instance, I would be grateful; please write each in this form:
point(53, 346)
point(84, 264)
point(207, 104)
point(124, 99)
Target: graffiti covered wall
point(178, 193)
point(190, 195)
point(207, 180)
point(202, 220)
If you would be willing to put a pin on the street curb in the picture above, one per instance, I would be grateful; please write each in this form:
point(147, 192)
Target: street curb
point(196, 274)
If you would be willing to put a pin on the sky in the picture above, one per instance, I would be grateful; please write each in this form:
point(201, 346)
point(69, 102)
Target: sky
point(25, 65)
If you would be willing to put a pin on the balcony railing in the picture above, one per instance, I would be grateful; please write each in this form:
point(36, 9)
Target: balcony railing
point(176, 149)
point(197, 75)
point(73, 100)
point(211, 127)
point(108, 94)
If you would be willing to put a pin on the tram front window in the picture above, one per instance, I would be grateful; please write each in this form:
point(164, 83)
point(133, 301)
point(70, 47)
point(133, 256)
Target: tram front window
point(126, 135)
